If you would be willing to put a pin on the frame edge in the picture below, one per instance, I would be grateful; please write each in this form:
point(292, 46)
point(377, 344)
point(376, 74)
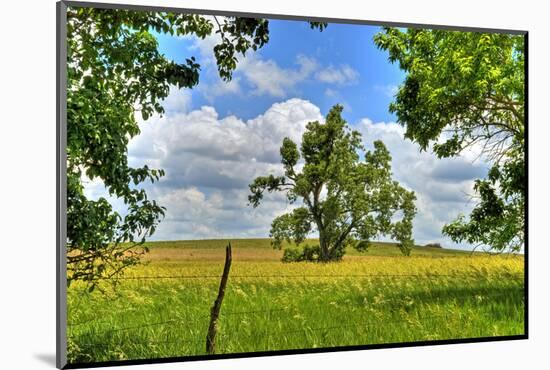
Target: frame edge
point(61, 186)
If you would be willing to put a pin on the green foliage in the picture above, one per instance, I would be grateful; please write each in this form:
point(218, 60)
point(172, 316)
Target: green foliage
point(114, 72)
point(362, 201)
point(498, 220)
point(464, 89)
point(433, 245)
point(292, 254)
point(293, 226)
point(310, 253)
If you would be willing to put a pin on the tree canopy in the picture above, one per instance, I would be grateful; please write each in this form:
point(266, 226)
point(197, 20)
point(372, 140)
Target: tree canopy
point(349, 201)
point(465, 90)
point(115, 72)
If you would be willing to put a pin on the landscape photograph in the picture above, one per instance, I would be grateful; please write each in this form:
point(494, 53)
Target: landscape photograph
point(249, 185)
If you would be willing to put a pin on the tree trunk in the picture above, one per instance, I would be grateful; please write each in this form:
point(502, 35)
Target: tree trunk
point(324, 254)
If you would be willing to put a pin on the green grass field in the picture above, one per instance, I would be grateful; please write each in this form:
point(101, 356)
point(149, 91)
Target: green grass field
point(375, 297)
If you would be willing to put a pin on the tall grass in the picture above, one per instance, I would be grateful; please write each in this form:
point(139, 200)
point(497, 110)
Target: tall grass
point(270, 305)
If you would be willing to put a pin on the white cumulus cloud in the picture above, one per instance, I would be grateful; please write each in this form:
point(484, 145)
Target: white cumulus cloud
point(268, 78)
point(342, 75)
point(210, 161)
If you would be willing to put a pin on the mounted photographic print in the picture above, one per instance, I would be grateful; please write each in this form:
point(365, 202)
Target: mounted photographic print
point(235, 185)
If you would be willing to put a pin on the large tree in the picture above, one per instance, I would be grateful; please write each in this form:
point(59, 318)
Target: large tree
point(465, 90)
point(115, 72)
point(349, 201)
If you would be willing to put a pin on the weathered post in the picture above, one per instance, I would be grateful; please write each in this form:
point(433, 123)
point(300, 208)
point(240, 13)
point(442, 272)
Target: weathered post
point(215, 312)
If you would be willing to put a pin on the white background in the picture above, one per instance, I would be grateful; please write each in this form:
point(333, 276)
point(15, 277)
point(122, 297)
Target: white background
point(27, 183)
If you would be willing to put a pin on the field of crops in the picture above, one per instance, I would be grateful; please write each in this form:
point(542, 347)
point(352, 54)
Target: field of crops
point(161, 308)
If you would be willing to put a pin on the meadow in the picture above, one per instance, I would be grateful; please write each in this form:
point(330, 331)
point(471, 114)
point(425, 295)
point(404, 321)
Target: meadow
point(161, 308)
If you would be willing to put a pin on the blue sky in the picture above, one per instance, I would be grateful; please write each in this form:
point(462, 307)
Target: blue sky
point(217, 137)
point(337, 46)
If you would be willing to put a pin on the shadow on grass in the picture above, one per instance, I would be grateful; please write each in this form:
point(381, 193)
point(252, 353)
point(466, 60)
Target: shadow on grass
point(508, 297)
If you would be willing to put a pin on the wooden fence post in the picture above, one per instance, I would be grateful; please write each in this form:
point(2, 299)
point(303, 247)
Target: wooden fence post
point(215, 312)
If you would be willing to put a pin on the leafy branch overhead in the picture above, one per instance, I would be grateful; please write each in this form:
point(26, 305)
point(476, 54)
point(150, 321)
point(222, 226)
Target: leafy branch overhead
point(462, 91)
point(115, 71)
point(349, 201)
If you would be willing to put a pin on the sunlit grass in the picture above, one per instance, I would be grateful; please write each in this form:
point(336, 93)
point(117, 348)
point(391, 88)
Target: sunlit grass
point(378, 297)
